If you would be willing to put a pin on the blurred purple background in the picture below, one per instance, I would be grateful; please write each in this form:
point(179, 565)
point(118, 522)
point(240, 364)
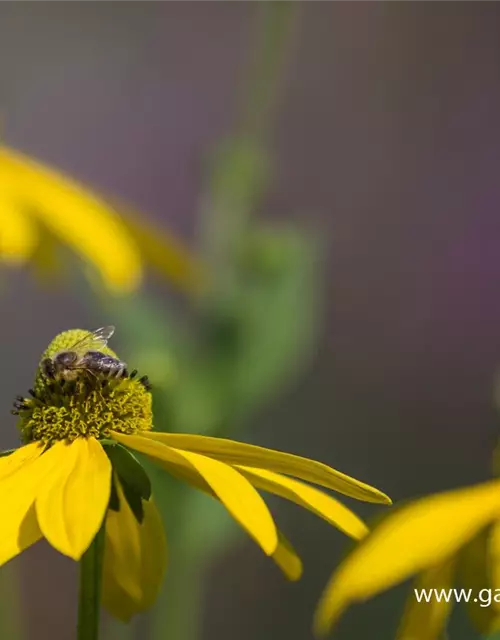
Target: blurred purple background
point(387, 141)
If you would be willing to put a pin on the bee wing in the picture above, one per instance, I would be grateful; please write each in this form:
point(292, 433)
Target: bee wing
point(93, 341)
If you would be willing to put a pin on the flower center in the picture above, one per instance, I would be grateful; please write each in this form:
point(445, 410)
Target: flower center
point(85, 407)
point(89, 405)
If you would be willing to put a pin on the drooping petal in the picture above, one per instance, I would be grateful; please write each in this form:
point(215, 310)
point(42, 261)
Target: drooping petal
point(233, 452)
point(310, 498)
point(287, 558)
point(135, 559)
point(19, 483)
point(18, 234)
point(77, 217)
point(71, 504)
point(427, 620)
point(411, 539)
point(235, 492)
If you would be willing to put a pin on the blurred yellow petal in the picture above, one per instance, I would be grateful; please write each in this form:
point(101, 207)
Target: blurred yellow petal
point(47, 260)
point(409, 540)
point(80, 219)
point(18, 233)
point(72, 502)
point(479, 570)
point(233, 452)
point(166, 253)
point(235, 492)
point(494, 557)
point(287, 559)
point(320, 503)
point(135, 559)
point(427, 620)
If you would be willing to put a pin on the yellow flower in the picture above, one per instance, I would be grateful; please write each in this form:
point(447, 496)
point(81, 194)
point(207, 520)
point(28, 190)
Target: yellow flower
point(40, 207)
point(442, 538)
point(76, 469)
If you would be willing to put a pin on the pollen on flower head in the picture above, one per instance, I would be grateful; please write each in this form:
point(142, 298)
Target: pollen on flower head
point(89, 405)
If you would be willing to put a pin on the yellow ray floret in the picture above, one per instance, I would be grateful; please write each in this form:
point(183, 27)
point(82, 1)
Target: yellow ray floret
point(18, 234)
point(73, 497)
point(238, 453)
point(40, 207)
point(33, 195)
point(135, 559)
point(411, 540)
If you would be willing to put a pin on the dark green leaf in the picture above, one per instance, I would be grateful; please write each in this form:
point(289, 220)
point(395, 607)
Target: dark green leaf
point(129, 470)
point(114, 500)
point(134, 501)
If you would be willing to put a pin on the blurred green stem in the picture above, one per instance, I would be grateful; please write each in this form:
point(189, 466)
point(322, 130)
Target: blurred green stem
point(177, 613)
point(277, 24)
point(10, 603)
point(180, 618)
point(240, 165)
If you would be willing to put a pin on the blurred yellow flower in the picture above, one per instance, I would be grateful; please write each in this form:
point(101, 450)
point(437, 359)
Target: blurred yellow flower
point(436, 538)
point(40, 207)
point(76, 470)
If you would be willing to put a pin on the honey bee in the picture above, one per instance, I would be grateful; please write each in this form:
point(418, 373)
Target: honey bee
point(85, 356)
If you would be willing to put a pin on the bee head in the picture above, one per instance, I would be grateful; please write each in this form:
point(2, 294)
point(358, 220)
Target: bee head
point(65, 359)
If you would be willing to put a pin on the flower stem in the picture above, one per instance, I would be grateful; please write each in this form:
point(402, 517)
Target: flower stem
point(276, 29)
point(11, 616)
point(240, 165)
point(89, 602)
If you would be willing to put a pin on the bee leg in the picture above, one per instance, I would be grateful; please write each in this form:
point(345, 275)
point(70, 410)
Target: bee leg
point(117, 372)
point(96, 378)
point(48, 369)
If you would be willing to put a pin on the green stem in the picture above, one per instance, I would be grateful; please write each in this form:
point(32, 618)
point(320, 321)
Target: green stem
point(275, 37)
point(11, 616)
point(240, 166)
point(89, 603)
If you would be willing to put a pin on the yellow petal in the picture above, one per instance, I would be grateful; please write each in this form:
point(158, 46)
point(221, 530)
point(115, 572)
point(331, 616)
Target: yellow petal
point(18, 234)
point(427, 620)
point(320, 503)
point(233, 490)
point(135, 559)
point(409, 540)
point(21, 474)
point(76, 216)
point(72, 502)
point(19, 458)
point(233, 452)
point(479, 568)
point(287, 559)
